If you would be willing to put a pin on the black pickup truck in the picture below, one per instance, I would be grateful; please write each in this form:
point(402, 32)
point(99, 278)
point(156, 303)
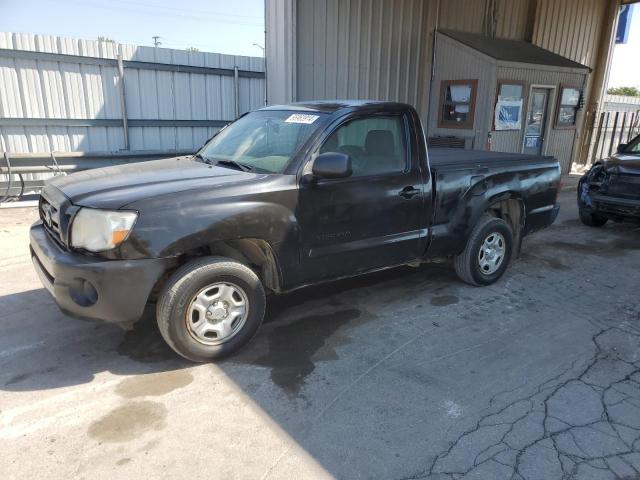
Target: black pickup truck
point(282, 198)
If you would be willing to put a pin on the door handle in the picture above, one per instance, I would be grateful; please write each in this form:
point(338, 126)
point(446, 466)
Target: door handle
point(409, 192)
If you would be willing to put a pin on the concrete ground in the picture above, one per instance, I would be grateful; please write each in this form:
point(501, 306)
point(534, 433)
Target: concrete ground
point(404, 374)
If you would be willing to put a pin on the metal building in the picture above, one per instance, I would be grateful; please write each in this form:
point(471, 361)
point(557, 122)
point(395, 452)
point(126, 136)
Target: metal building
point(385, 49)
point(61, 95)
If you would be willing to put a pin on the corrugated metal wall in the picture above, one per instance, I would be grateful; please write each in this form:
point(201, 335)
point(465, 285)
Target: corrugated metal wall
point(280, 50)
point(501, 18)
point(621, 103)
point(512, 19)
point(464, 15)
point(72, 88)
point(570, 28)
point(372, 49)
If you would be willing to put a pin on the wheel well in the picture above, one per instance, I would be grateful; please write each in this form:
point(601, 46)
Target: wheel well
point(255, 253)
point(511, 210)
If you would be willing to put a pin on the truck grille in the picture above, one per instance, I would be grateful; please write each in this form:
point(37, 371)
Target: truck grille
point(624, 185)
point(50, 216)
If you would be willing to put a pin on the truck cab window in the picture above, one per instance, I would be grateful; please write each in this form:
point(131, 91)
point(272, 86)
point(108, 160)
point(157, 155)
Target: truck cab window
point(376, 145)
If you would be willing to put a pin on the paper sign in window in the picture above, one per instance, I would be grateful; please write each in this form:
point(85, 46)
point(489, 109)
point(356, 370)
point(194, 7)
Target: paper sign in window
point(302, 118)
point(508, 115)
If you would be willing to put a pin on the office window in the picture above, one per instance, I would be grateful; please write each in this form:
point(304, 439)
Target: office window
point(457, 103)
point(568, 106)
point(508, 112)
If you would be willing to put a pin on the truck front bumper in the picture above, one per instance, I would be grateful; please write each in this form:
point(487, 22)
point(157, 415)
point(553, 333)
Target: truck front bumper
point(82, 286)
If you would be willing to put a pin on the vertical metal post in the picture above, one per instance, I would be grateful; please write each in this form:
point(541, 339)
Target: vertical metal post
point(604, 134)
point(596, 144)
point(632, 126)
point(123, 102)
point(7, 193)
point(613, 133)
point(624, 124)
point(589, 126)
point(264, 55)
point(236, 87)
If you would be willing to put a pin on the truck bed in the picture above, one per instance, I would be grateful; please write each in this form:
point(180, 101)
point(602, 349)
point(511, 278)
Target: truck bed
point(456, 157)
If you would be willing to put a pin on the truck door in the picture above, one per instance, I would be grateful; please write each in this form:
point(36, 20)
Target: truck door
point(373, 218)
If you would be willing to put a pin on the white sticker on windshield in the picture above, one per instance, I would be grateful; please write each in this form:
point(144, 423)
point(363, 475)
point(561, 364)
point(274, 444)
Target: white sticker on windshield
point(302, 118)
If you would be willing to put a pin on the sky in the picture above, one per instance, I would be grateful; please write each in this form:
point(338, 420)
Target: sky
point(230, 26)
point(625, 66)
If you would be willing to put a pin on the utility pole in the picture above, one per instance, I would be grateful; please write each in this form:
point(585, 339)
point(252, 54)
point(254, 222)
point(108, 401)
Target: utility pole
point(156, 41)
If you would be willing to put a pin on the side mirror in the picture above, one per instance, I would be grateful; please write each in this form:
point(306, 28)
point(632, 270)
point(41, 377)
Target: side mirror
point(332, 165)
point(621, 147)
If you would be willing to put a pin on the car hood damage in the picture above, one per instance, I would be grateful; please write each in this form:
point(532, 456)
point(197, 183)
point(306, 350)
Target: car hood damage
point(622, 163)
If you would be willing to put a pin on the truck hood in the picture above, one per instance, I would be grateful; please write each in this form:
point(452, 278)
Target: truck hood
point(117, 186)
point(623, 163)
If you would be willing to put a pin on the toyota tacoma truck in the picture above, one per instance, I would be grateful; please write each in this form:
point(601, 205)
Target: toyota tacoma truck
point(610, 190)
point(282, 198)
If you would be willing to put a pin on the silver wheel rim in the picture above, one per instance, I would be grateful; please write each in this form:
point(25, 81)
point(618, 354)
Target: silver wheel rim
point(491, 254)
point(217, 313)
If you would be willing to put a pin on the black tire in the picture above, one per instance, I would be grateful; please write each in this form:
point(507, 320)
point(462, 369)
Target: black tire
point(467, 264)
point(182, 287)
point(591, 219)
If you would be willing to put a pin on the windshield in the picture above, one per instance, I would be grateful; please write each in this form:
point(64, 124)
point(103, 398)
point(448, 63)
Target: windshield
point(265, 140)
point(633, 146)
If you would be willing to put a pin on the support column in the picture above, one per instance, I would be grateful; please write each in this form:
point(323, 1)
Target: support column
point(280, 50)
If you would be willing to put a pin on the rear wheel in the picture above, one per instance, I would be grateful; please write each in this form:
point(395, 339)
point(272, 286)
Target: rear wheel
point(487, 254)
point(210, 307)
point(591, 219)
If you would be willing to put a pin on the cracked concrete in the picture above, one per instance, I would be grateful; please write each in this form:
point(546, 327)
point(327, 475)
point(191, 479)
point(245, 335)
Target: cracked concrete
point(584, 421)
point(407, 374)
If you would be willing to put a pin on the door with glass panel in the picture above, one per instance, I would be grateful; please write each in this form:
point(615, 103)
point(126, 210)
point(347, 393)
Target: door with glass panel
point(536, 122)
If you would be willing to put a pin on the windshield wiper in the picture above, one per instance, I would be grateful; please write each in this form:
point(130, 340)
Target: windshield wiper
point(201, 157)
point(234, 164)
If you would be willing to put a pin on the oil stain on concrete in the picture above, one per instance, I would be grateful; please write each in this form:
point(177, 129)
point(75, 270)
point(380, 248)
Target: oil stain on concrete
point(294, 348)
point(153, 384)
point(444, 300)
point(129, 421)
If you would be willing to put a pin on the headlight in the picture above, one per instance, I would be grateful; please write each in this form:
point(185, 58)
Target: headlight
point(100, 230)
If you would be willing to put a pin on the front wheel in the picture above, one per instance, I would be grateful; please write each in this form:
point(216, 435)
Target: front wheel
point(210, 307)
point(487, 254)
point(591, 219)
